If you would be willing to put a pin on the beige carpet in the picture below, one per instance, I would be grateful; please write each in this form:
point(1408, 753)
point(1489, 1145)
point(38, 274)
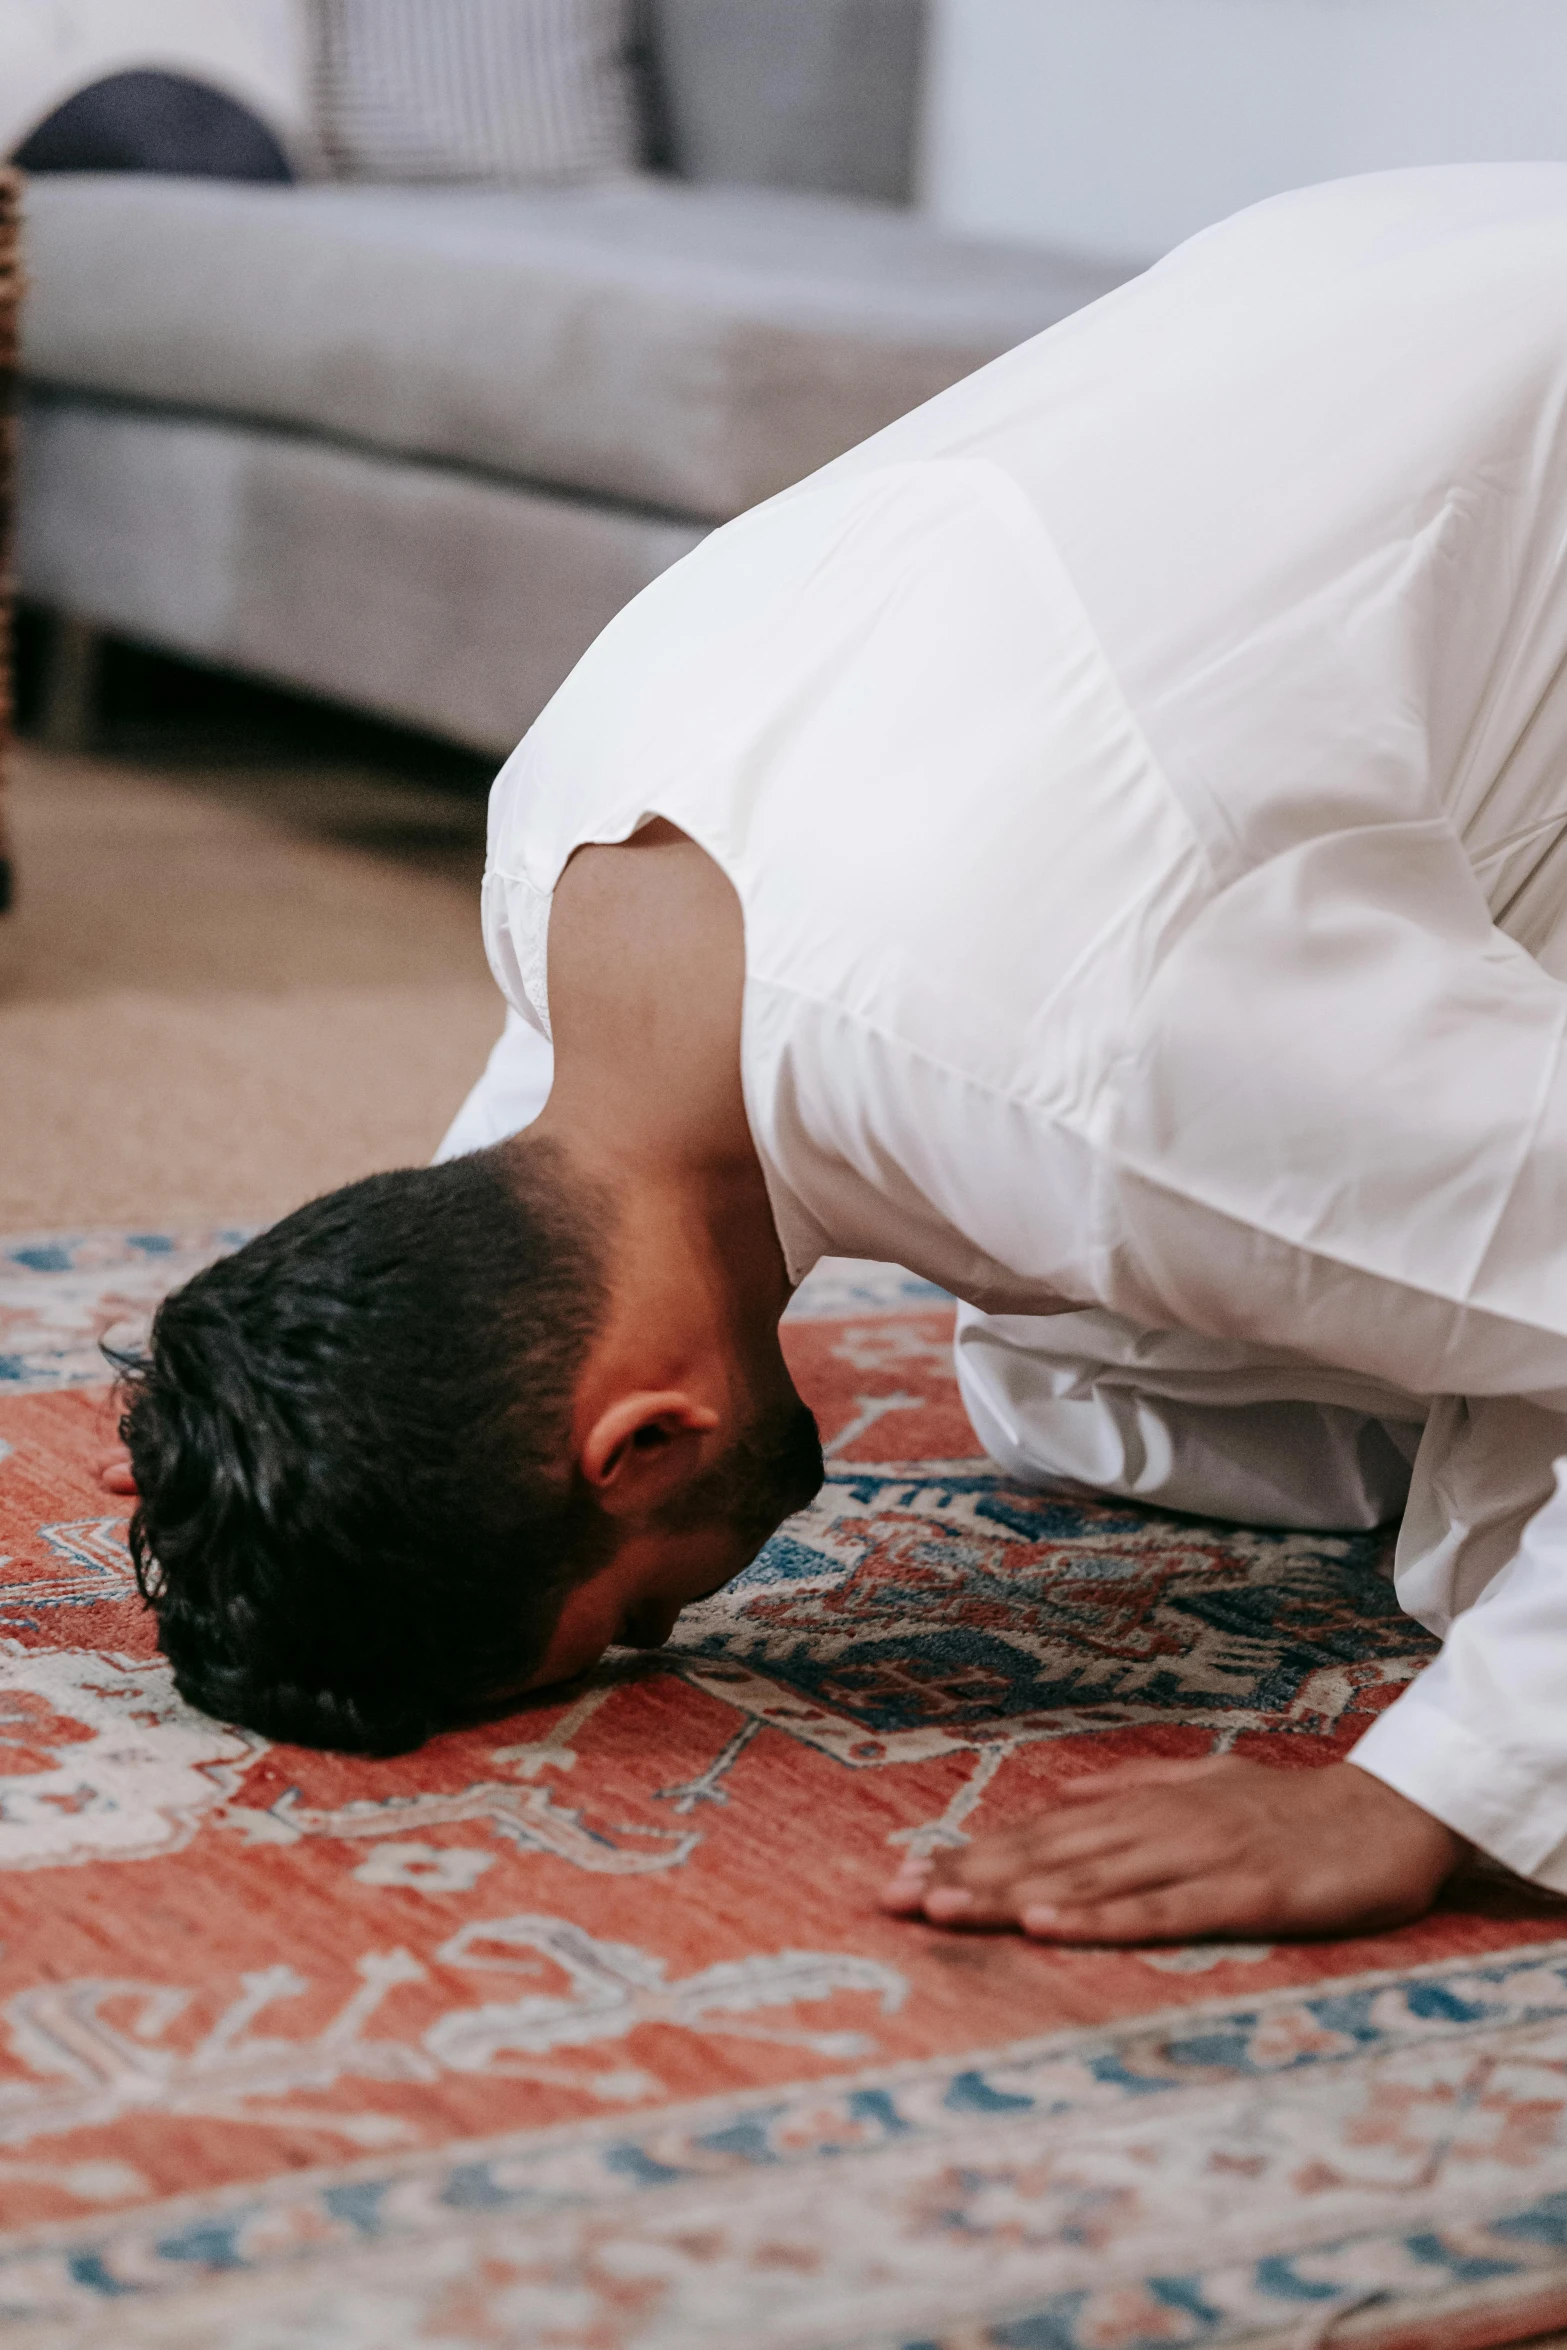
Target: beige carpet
point(223, 990)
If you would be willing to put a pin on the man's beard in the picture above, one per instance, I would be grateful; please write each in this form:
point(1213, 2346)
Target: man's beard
point(773, 1468)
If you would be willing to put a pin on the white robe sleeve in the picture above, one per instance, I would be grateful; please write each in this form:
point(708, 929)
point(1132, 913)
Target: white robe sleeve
point(510, 1094)
point(1480, 1739)
point(1343, 1133)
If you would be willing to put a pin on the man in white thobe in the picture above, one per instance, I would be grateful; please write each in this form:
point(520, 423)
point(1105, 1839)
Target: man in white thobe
point(1143, 775)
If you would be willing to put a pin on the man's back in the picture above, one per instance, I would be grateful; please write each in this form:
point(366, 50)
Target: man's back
point(1309, 477)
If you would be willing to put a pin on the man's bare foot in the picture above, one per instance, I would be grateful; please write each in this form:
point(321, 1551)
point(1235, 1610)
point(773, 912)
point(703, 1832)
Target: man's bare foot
point(1164, 1852)
point(115, 1474)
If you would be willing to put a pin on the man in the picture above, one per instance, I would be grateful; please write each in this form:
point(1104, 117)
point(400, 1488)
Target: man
point(1100, 844)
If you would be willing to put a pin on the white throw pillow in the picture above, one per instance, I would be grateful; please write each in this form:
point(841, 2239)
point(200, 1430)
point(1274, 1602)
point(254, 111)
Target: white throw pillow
point(497, 90)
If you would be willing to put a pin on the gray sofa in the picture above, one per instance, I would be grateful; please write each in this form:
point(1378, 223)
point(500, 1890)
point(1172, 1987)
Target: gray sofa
point(412, 448)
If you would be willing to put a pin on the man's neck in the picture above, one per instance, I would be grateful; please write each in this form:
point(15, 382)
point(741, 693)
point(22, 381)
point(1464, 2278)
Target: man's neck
point(646, 982)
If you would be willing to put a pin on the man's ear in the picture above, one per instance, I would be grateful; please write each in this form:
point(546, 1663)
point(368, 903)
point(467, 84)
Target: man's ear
point(643, 1446)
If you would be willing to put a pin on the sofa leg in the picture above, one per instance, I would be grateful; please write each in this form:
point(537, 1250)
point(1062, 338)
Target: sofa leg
point(68, 710)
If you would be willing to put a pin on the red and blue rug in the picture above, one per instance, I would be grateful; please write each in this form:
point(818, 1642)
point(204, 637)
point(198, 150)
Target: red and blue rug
point(582, 2031)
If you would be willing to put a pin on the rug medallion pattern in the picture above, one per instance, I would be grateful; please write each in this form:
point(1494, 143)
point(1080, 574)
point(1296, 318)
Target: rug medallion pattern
point(582, 2031)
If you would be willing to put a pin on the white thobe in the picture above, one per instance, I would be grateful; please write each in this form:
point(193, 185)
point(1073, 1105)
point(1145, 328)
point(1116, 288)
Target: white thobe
point(1143, 771)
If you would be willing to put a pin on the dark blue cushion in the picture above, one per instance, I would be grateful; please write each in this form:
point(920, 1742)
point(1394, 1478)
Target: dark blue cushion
point(148, 121)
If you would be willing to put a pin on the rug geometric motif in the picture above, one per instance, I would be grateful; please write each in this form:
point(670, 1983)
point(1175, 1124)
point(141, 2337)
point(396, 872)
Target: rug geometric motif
point(582, 2030)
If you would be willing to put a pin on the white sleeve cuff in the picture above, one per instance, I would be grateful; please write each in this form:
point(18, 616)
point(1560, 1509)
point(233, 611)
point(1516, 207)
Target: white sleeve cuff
point(1486, 1796)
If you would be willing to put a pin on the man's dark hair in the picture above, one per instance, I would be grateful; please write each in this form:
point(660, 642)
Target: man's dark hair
point(358, 1515)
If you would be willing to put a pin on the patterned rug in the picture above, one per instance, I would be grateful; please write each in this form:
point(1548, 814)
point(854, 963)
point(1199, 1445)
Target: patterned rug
point(582, 2031)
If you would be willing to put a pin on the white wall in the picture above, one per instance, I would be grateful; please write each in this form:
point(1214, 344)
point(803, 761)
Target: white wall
point(1125, 125)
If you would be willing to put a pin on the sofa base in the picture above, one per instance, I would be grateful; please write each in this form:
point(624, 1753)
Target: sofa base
point(443, 599)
